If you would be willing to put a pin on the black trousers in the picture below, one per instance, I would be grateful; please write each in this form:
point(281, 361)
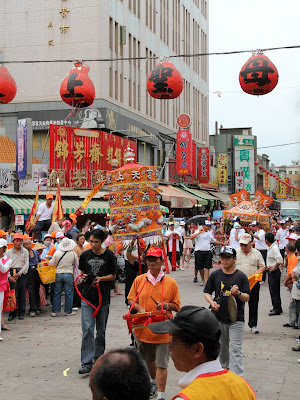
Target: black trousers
point(20, 290)
point(264, 254)
point(253, 305)
point(33, 286)
point(274, 288)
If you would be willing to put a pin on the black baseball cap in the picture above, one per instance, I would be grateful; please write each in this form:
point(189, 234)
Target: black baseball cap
point(228, 251)
point(194, 320)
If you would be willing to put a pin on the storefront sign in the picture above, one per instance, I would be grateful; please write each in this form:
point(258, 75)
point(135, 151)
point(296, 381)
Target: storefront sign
point(266, 181)
point(39, 175)
point(19, 220)
point(21, 148)
point(82, 160)
point(239, 180)
point(222, 168)
point(184, 152)
point(203, 164)
point(244, 160)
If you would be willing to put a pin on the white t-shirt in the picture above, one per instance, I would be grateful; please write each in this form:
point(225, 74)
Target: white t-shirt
point(203, 241)
point(295, 290)
point(44, 212)
point(260, 243)
point(170, 240)
point(281, 236)
point(232, 242)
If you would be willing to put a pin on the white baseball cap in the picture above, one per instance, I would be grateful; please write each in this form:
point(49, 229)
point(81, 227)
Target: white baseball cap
point(3, 243)
point(182, 223)
point(59, 235)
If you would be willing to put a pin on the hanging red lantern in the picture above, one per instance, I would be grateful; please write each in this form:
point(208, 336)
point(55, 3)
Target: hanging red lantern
point(260, 167)
point(77, 89)
point(258, 75)
point(164, 81)
point(8, 87)
point(256, 163)
point(264, 170)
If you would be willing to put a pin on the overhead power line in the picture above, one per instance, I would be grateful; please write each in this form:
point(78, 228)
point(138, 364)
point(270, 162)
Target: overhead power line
point(277, 145)
point(222, 53)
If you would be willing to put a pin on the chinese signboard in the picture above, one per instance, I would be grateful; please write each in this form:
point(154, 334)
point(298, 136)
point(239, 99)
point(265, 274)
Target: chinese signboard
point(239, 180)
point(82, 156)
point(244, 160)
point(184, 152)
point(282, 191)
point(222, 168)
point(266, 181)
point(21, 148)
point(203, 164)
point(19, 220)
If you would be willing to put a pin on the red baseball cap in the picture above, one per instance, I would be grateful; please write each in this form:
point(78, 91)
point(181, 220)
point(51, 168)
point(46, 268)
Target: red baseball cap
point(154, 252)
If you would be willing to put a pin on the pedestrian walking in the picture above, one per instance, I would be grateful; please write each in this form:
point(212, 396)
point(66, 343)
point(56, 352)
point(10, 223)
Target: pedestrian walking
point(225, 283)
point(187, 246)
point(5, 264)
point(33, 281)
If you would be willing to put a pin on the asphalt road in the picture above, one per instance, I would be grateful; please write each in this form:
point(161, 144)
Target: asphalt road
point(37, 351)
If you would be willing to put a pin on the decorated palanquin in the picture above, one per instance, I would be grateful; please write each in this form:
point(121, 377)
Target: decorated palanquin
point(134, 201)
point(247, 210)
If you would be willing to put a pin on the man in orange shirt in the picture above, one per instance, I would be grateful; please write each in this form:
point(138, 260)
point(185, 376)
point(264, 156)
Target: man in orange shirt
point(154, 291)
point(292, 263)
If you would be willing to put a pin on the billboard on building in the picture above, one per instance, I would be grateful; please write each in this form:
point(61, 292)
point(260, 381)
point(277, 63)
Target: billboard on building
point(203, 164)
point(244, 147)
point(184, 152)
point(80, 157)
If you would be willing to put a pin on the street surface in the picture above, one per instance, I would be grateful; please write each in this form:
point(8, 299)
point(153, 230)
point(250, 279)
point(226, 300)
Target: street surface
point(37, 351)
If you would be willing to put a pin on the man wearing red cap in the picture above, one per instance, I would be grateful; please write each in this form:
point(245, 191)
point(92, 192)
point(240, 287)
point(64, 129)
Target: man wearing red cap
point(42, 221)
point(18, 272)
point(151, 292)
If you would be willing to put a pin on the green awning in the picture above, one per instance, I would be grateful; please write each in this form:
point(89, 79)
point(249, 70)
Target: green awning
point(200, 194)
point(23, 205)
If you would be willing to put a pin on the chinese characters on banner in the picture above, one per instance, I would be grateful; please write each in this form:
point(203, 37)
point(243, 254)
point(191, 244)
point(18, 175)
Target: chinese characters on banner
point(244, 160)
point(184, 152)
point(203, 164)
point(222, 168)
point(239, 180)
point(80, 157)
point(266, 181)
point(21, 149)
point(282, 192)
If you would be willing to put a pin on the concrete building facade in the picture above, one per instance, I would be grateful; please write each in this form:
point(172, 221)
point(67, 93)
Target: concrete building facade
point(106, 30)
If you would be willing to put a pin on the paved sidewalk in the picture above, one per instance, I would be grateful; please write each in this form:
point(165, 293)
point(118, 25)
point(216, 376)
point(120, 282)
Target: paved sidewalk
point(36, 352)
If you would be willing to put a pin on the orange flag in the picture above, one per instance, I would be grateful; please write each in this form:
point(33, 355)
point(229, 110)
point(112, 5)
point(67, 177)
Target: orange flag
point(92, 193)
point(29, 223)
point(57, 210)
point(253, 279)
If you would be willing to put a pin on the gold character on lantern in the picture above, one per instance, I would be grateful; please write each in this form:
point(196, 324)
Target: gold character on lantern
point(95, 153)
point(64, 29)
point(61, 149)
point(78, 153)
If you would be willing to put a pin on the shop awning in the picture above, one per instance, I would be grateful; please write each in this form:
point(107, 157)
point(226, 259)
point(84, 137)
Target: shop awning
point(222, 197)
point(178, 197)
point(23, 205)
point(199, 193)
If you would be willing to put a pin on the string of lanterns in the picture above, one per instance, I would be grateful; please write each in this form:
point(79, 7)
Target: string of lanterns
point(281, 181)
point(258, 76)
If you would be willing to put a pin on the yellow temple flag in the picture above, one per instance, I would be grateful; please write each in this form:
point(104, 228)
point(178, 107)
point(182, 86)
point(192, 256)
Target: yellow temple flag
point(29, 223)
point(58, 210)
point(92, 193)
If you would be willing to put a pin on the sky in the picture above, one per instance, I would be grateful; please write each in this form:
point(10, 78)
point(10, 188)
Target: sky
point(274, 117)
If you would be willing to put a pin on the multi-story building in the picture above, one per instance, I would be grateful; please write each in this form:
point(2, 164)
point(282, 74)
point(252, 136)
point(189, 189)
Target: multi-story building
point(121, 41)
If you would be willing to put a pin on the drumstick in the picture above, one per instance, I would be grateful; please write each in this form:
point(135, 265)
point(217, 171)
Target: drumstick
point(154, 300)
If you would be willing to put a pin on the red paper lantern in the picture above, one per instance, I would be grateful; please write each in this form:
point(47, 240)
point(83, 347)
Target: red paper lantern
point(77, 89)
point(260, 167)
point(8, 87)
point(256, 163)
point(164, 81)
point(264, 170)
point(258, 75)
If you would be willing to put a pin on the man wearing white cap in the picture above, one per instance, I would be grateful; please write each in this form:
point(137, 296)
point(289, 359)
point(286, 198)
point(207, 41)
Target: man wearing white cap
point(250, 261)
point(203, 255)
point(235, 234)
point(281, 237)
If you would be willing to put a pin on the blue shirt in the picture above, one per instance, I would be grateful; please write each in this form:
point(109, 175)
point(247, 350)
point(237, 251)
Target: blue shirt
point(33, 261)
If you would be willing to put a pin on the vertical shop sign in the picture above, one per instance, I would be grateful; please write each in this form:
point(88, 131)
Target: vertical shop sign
point(21, 148)
point(184, 152)
point(203, 164)
point(239, 180)
point(222, 168)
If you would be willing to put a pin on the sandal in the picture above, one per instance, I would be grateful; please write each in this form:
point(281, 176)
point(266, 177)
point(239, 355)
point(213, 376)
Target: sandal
point(5, 328)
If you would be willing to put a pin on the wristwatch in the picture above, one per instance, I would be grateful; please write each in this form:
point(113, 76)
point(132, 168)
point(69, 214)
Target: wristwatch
point(239, 293)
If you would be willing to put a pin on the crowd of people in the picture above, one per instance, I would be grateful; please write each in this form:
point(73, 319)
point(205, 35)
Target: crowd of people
point(204, 343)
